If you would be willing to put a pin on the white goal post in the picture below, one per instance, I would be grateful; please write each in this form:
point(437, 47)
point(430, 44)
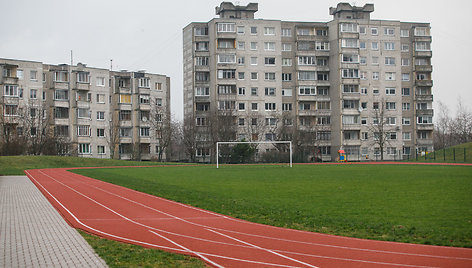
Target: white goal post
point(251, 142)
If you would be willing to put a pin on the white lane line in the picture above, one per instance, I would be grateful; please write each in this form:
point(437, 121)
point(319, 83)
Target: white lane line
point(266, 237)
point(261, 248)
point(188, 250)
point(142, 242)
point(126, 218)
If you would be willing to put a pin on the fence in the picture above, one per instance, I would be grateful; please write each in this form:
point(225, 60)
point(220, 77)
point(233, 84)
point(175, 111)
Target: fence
point(447, 155)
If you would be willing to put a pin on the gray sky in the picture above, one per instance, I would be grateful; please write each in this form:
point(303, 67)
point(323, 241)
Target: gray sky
point(147, 34)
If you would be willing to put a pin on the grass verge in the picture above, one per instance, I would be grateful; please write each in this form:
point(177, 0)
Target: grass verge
point(456, 154)
point(404, 203)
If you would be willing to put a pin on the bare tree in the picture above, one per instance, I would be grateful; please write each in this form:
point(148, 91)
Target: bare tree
point(380, 128)
point(113, 138)
point(462, 124)
point(189, 138)
point(442, 128)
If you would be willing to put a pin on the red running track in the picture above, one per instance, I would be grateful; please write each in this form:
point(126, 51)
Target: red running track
point(121, 214)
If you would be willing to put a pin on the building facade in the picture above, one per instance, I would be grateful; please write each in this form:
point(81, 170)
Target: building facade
point(84, 111)
point(354, 84)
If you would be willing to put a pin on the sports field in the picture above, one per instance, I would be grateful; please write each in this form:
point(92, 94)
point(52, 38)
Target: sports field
point(406, 203)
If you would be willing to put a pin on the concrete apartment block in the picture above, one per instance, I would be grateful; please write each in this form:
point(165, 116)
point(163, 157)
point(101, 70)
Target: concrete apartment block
point(332, 81)
point(92, 112)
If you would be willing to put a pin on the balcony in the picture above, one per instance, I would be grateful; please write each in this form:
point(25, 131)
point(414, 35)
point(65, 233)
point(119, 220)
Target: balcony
point(307, 113)
point(352, 142)
point(419, 38)
point(352, 126)
point(423, 54)
point(424, 83)
point(60, 85)
point(83, 104)
point(61, 103)
point(82, 86)
point(125, 123)
point(144, 90)
point(425, 112)
point(425, 126)
point(123, 90)
point(424, 97)
point(311, 98)
point(310, 37)
point(322, 53)
point(9, 80)
point(423, 68)
point(424, 142)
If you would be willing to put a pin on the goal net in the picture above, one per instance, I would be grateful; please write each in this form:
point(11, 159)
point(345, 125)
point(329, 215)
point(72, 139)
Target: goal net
point(238, 152)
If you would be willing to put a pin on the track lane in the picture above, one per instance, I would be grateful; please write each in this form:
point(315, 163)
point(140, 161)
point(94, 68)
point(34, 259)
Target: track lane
point(191, 226)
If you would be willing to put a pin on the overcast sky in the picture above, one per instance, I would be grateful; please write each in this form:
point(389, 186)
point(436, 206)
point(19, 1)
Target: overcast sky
point(147, 34)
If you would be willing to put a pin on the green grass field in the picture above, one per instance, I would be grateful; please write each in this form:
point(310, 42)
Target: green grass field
point(456, 154)
point(14, 165)
point(406, 203)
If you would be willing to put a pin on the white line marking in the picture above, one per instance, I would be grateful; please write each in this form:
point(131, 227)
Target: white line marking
point(266, 237)
point(188, 250)
point(264, 249)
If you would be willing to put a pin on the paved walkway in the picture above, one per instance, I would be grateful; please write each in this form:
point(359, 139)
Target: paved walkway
point(33, 233)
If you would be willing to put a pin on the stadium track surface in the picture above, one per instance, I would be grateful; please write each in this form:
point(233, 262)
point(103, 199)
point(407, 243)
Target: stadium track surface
point(125, 215)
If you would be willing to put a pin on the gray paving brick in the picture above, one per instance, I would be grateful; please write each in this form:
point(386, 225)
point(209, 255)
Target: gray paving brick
point(33, 233)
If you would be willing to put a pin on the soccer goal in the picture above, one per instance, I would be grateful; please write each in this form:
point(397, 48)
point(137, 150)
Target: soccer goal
point(229, 148)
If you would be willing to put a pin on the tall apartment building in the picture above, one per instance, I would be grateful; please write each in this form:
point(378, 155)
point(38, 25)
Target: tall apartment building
point(90, 112)
point(353, 84)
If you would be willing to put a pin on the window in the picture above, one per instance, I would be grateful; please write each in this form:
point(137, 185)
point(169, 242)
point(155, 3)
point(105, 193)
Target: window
point(125, 98)
point(303, 31)
point(125, 115)
point(322, 32)
point(100, 115)
point(321, 45)
point(270, 91)
point(225, 58)
point(159, 102)
point(125, 132)
point(144, 132)
point(389, 61)
point(423, 46)
point(100, 132)
point(144, 99)
point(351, 58)
point(363, 60)
point(307, 91)
point(61, 76)
point(100, 98)
point(144, 82)
point(226, 27)
point(353, 43)
point(84, 148)
point(33, 93)
point(11, 109)
point(322, 91)
point(304, 106)
point(404, 33)
point(253, 60)
point(254, 91)
point(350, 73)
point(287, 92)
point(307, 60)
point(406, 106)
point(362, 45)
point(201, 61)
point(226, 89)
point(269, 61)
point(83, 113)
point(202, 106)
point(405, 91)
point(390, 105)
point(406, 121)
point(242, 91)
point(406, 136)
point(421, 31)
point(201, 31)
point(270, 106)
point(253, 46)
point(286, 32)
point(349, 28)
point(389, 46)
point(391, 150)
point(253, 30)
point(364, 120)
point(269, 76)
point(201, 121)
point(201, 46)
point(389, 31)
point(375, 91)
point(286, 47)
point(269, 46)
point(286, 106)
point(286, 62)
point(100, 149)
point(83, 130)
point(269, 30)
point(270, 136)
point(350, 88)
point(406, 77)
point(61, 131)
point(323, 105)
point(405, 62)
point(241, 122)
point(271, 121)
point(390, 91)
point(286, 77)
point(350, 104)
point(389, 76)
point(254, 106)
point(241, 106)
point(391, 120)
point(202, 91)
point(306, 75)
point(61, 112)
point(364, 91)
point(405, 47)
point(83, 77)
point(375, 75)
point(227, 74)
point(11, 90)
point(34, 75)
point(240, 29)
point(375, 46)
point(351, 119)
